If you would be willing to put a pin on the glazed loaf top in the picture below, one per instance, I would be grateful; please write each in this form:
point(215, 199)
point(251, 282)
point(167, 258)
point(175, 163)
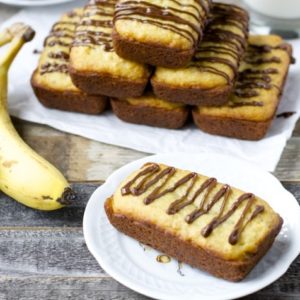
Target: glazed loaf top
point(260, 81)
point(167, 23)
point(52, 71)
point(218, 55)
point(93, 51)
point(220, 219)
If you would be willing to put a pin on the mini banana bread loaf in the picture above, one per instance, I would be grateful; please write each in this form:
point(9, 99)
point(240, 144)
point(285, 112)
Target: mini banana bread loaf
point(94, 66)
point(210, 77)
point(149, 110)
point(206, 224)
point(250, 111)
point(160, 33)
point(51, 81)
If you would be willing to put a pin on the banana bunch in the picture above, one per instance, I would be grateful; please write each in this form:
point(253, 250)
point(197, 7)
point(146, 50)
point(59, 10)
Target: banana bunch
point(24, 175)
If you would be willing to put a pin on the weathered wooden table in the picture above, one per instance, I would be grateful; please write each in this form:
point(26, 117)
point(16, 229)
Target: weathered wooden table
point(43, 255)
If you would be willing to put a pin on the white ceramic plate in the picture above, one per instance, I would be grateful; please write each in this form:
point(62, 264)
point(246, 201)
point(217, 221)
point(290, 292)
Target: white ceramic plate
point(125, 260)
point(33, 2)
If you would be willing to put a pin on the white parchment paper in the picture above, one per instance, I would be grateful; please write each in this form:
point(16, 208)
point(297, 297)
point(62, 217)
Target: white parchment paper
point(108, 129)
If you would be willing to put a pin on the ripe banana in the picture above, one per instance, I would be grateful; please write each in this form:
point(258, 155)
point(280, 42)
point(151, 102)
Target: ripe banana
point(24, 175)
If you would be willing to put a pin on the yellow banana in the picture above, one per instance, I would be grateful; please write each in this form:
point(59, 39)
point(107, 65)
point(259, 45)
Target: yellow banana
point(24, 175)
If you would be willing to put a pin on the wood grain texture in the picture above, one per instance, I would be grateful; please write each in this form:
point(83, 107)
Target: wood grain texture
point(28, 251)
point(46, 251)
point(52, 253)
point(104, 288)
point(81, 159)
point(288, 168)
point(62, 288)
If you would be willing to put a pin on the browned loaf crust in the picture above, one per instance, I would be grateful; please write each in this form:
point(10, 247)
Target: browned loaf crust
point(209, 78)
point(183, 251)
point(95, 68)
point(152, 54)
point(240, 129)
point(151, 115)
point(191, 96)
point(250, 118)
point(150, 221)
point(51, 80)
point(97, 83)
point(70, 100)
point(162, 28)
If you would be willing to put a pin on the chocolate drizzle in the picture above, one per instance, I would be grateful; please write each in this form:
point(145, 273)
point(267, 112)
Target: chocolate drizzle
point(54, 67)
point(223, 41)
point(59, 55)
point(157, 193)
point(95, 28)
point(174, 18)
point(262, 60)
point(249, 82)
point(152, 175)
point(247, 94)
point(254, 49)
point(257, 75)
point(61, 35)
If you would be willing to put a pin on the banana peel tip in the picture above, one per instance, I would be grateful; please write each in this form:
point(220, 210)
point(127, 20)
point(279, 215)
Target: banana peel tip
point(67, 196)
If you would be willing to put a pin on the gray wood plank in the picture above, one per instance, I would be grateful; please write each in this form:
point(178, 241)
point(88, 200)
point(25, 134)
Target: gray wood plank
point(57, 252)
point(288, 167)
point(46, 251)
point(14, 214)
point(297, 129)
point(61, 288)
point(56, 287)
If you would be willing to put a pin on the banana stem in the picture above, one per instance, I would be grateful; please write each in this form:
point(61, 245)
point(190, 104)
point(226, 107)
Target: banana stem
point(18, 34)
point(16, 29)
point(18, 38)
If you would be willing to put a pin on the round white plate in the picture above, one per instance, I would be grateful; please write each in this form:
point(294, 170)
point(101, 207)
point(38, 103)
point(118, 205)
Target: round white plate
point(33, 2)
point(126, 260)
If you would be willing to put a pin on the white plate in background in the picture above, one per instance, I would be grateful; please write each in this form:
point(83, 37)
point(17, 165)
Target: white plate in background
point(33, 2)
point(125, 260)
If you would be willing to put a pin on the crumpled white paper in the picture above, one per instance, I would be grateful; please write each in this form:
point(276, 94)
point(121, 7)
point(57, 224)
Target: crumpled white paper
point(108, 129)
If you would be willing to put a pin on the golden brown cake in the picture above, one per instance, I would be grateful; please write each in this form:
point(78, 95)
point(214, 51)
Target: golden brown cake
point(149, 110)
point(160, 33)
point(196, 219)
point(209, 78)
point(252, 106)
point(94, 66)
point(51, 81)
